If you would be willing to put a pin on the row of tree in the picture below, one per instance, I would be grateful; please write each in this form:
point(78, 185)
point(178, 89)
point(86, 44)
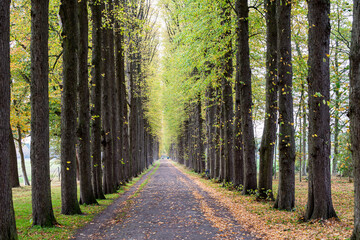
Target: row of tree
point(106, 130)
point(228, 141)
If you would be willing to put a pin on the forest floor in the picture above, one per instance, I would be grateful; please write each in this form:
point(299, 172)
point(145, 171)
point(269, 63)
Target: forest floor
point(166, 204)
point(263, 220)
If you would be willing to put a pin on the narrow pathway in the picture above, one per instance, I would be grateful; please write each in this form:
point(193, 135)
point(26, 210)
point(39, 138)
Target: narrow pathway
point(169, 207)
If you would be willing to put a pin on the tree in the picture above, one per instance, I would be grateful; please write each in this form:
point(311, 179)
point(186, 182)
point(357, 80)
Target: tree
point(226, 85)
point(268, 140)
point(286, 192)
point(319, 193)
point(243, 67)
point(355, 112)
point(106, 108)
point(42, 214)
point(83, 132)
point(14, 173)
point(23, 167)
point(95, 110)
point(69, 201)
point(7, 218)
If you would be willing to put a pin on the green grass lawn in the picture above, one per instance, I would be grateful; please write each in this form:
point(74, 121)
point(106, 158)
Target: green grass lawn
point(66, 224)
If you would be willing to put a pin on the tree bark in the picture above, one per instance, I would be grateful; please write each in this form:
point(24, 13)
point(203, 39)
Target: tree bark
point(210, 117)
point(69, 201)
point(243, 67)
point(14, 173)
point(83, 132)
point(228, 110)
point(355, 112)
point(319, 193)
point(23, 167)
point(121, 96)
point(268, 140)
point(106, 114)
point(337, 106)
point(42, 211)
point(96, 83)
point(286, 191)
point(7, 218)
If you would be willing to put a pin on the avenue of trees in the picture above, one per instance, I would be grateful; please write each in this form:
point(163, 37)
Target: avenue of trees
point(242, 90)
point(287, 67)
point(76, 82)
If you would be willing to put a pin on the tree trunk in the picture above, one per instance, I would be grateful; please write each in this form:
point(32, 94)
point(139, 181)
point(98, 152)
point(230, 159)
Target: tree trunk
point(319, 193)
point(69, 201)
point(268, 140)
point(113, 96)
point(200, 140)
point(23, 167)
point(210, 110)
point(132, 116)
point(243, 67)
point(228, 109)
point(42, 211)
point(106, 114)
point(121, 96)
point(238, 166)
point(96, 83)
point(14, 173)
point(355, 112)
point(337, 107)
point(86, 190)
point(286, 191)
point(7, 218)
point(217, 133)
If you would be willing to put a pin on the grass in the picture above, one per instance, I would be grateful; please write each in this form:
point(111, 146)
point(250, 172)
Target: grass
point(262, 218)
point(67, 224)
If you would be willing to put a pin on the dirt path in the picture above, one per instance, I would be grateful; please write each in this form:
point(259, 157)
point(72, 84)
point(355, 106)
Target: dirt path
point(170, 206)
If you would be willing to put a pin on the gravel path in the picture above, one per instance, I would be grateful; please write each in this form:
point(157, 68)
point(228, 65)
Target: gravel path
point(170, 206)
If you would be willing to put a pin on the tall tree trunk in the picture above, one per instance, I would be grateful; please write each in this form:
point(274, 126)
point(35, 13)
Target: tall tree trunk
point(96, 83)
point(86, 191)
point(200, 140)
point(69, 201)
point(132, 116)
point(217, 133)
point(113, 96)
point(319, 194)
point(7, 218)
point(286, 191)
point(106, 113)
point(228, 111)
point(267, 146)
point(245, 98)
point(355, 112)
point(23, 167)
point(121, 96)
point(337, 106)
point(42, 211)
point(14, 173)
point(210, 117)
point(238, 166)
